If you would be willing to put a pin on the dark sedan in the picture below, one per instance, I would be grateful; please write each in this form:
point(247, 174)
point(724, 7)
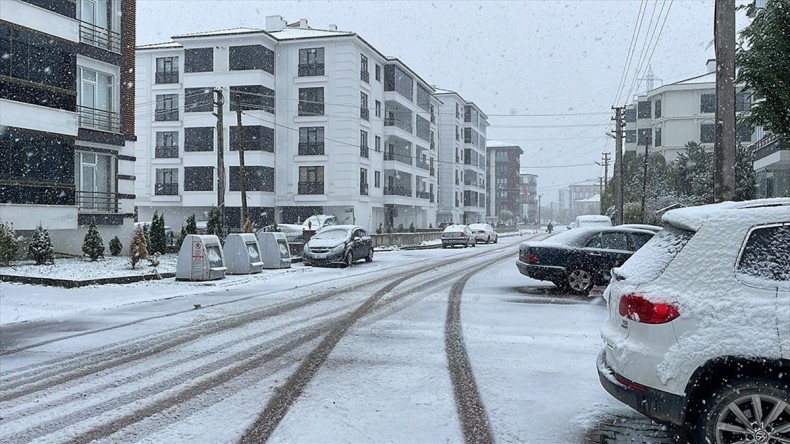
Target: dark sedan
point(577, 260)
point(338, 244)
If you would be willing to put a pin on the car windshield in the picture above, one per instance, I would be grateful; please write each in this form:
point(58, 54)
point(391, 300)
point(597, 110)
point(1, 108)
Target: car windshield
point(332, 233)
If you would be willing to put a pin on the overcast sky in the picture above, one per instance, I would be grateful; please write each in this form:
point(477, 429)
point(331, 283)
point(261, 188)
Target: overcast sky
point(514, 59)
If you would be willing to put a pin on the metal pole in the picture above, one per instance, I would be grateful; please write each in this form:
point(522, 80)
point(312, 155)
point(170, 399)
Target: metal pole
point(724, 148)
point(242, 176)
point(220, 104)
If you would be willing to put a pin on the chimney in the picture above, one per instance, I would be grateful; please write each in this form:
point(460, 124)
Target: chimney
point(303, 24)
point(711, 64)
point(333, 27)
point(275, 23)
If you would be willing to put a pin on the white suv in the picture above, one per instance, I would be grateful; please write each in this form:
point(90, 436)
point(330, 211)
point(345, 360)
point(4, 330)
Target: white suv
point(698, 333)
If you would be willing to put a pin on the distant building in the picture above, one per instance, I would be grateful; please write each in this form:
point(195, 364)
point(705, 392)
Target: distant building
point(67, 117)
point(504, 180)
point(772, 166)
point(578, 199)
point(529, 198)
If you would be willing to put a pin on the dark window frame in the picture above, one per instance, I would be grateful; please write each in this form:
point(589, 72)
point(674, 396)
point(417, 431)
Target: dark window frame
point(198, 139)
point(311, 141)
point(309, 102)
point(166, 108)
point(311, 62)
point(166, 145)
point(199, 178)
point(168, 186)
point(166, 70)
point(251, 57)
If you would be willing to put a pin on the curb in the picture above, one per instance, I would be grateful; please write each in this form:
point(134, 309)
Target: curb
point(68, 283)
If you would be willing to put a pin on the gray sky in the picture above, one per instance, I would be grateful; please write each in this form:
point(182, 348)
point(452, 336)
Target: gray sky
point(514, 59)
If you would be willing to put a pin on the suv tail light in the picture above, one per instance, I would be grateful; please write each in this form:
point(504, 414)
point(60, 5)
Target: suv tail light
point(532, 259)
point(639, 309)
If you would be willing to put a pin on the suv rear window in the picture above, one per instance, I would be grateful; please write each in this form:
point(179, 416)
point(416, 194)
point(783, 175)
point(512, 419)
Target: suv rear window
point(654, 257)
point(766, 254)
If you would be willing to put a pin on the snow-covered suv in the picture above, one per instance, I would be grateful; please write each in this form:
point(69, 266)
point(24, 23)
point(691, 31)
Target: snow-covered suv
point(698, 333)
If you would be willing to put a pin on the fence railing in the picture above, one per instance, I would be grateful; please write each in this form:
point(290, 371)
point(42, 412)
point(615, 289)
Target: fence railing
point(96, 201)
point(100, 37)
point(99, 119)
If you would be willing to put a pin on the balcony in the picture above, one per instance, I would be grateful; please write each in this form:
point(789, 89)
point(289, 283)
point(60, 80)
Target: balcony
point(364, 151)
point(363, 189)
point(423, 165)
point(311, 188)
point(767, 146)
point(402, 124)
point(166, 152)
point(97, 202)
point(398, 157)
point(423, 195)
point(397, 191)
point(166, 189)
point(99, 119)
point(166, 77)
point(99, 37)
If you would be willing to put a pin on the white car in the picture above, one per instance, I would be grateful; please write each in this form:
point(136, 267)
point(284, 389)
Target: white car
point(592, 220)
point(458, 235)
point(698, 332)
point(295, 232)
point(484, 233)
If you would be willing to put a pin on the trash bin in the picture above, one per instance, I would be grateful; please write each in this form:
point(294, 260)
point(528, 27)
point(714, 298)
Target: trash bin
point(200, 259)
point(242, 254)
point(275, 252)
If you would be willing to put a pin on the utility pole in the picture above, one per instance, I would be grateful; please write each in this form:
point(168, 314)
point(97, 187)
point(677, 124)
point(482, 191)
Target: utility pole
point(605, 165)
point(600, 194)
point(644, 184)
point(618, 162)
point(724, 148)
point(242, 177)
point(220, 103)
point(539, 195)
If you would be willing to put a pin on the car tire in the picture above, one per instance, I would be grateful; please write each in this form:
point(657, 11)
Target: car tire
point(348, 260)
point(579, 281)
point(496, 239)
point(719, 410)
point(488, 241)
point(369, 257)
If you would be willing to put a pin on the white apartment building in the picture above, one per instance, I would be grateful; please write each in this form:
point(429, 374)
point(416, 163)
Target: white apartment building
point(66, 122)
point(462, 160)
point(668, 117)
point(330, 126)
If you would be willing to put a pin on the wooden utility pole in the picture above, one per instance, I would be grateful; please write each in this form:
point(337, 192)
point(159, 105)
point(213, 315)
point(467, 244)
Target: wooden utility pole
point(605, 164)
point(242, 177)
point(644, 184)
point(601, 182)
point(220, 104)
point(618, 162)
point(724, 147)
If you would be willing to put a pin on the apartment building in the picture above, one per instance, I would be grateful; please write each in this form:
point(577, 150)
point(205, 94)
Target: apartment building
point(67, 117)
point(772, 166)
point(504, 180)
point(329, 126)
point(668, 117)
point(529, 198)
point(462, 158)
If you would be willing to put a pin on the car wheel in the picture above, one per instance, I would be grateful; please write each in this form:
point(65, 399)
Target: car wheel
point(752, 410)
point(496, 239)
point(369, 257)
point(580, 281)
point(488, 241)
point(349, 259)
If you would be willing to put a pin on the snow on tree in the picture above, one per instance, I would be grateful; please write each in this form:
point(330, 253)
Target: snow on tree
point(8, 243)
point(249, 226)
point(157, 234)
point(138, 249)
point(93, 245)
point(115, 246)
point(40, 248)
point(215, 225)
point(190, 228)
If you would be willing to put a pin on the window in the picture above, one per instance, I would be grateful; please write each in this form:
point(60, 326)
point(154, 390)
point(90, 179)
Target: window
point(252, 97)
point(255, 137)
point(640, 239)
point(247, 57)
point(378, 108)
point(256, 178)
point(378, 72)
point(311, 141)
point(199, 60)
point(199, 178)
point(377, 145)
point(457, 111)
point(743, 101)
point(433, 115)
point(423, 128)
point(658, 136)
point(467, 114)
point(396, 79)
point(311, 180)
point(166, 145)
point(99, 25)
point(311, 62)
point(657, 107)
point(364, 150)
point(630, 136)
point(645, 137)
point(363, 181)
point(93, 181)
point(377, 177)
point(199, 139)
point(707, 132)
point(423, 98)
point(743, 134)
point(614, 241)
point(96, 97)
point(166, 70)
point(36, 58)
point(457, 134)
point(643, 110)
point(166, 107)
point(166, 182)
point(364, 74)
point(364, 111)
point(766, 254)
point(198, 100)
point(707, 103)
point(37, 158)
point(311, 101)
point(630, 115)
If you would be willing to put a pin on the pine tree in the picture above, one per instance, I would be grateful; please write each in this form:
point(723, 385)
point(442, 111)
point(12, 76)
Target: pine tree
point(138, 249)
point(157, 234)
point(745, 176)
point(93, 245)
point(215, 225)
point(190, 228)
point(115, 246)
point(8, 243)
point(40, 248)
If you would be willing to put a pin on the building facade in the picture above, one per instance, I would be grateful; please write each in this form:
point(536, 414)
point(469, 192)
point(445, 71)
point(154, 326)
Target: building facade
point(529, 198)
point(772, 166)
point(333, 127)
point(67, 117)
point(504, 181)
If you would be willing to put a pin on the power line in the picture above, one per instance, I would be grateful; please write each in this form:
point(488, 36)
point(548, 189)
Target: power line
point(631, 50)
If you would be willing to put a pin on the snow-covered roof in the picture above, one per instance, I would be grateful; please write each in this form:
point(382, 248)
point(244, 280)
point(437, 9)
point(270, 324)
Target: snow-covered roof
point(164, 45)
point(766, 210)
point(596, 198)
point(307, 33)
point(221, 32)
point(704, 78)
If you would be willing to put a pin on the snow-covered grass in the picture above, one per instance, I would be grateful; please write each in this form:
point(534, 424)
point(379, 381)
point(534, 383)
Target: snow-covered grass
point(77, 268)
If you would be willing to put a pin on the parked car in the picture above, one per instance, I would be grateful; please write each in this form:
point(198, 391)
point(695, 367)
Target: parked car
point(592, 220)
point(338, 244)
point(579, 259)
point(484, 233)
point(295, 232)
point(458, 235)
point(653, 228)
point(698, 332)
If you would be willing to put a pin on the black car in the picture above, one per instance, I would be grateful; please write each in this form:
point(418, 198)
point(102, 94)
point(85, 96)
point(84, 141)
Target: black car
point(578, 259)
point(338, 244)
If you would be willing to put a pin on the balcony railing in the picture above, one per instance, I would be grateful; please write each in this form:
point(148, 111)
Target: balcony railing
point(311, 69)
point(405, 126)
point(100, 37)
point(363, 189)
point(97, 202)
point(163, 77)
point(364, 113)
point(423, 165)
point(397, 191)
point(364, 151)
point(423, 194)
point(166, 152)
point(99, 119)
point(166, 189)
point(767, 146)
point(166, 115)
point(311, 149)
point(364, 76)
point(402, 158)
point(311, 188)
